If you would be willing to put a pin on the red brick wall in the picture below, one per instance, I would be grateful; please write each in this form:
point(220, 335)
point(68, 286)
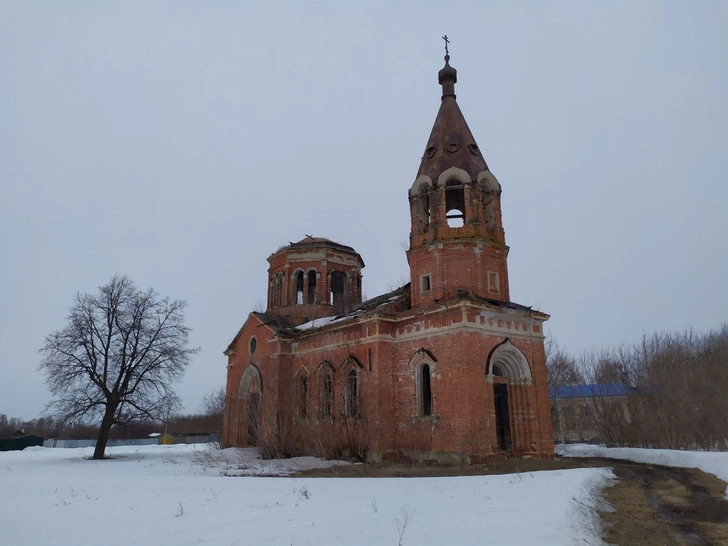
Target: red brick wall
point(463, 420)
point(235, 417)
point(324, 261)
point(454, 266)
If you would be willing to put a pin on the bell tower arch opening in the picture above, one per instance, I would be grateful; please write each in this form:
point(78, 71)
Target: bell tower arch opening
point(421, 203)
point(455, 203)
point(456, 218)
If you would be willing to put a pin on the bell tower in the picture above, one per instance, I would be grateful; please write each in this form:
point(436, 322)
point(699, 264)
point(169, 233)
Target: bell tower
point(457, 242)
point(313, 278)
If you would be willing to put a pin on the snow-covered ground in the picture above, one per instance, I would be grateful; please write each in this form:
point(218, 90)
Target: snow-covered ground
point(714, 462)
point(185, 495)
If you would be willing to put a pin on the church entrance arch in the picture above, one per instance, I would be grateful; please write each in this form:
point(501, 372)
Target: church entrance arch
point(502, 413)
point(249, 396)
point(509, 373)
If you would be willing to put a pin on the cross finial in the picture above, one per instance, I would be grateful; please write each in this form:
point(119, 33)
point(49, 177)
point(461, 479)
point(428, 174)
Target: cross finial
point(446, 42)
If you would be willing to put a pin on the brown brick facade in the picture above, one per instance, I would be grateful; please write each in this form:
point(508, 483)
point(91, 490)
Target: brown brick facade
point(445, 368)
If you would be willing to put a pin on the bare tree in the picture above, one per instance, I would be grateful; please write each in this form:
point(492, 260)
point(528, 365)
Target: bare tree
point(213, 403)
point(212, 407)
point(116, 357)
point(561, 371)
point(667, 391)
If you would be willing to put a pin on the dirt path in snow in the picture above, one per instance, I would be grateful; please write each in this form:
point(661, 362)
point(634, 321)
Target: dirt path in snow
point(663, 506)
point(649, 505)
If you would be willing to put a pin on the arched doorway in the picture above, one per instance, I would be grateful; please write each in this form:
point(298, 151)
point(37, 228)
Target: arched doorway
point(502, 412)
point(509, 373)
point(249, 396)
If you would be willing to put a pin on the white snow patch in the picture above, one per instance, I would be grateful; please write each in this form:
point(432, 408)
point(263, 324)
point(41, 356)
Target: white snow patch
point(316, 323)
point(177, 494)
point(714, 462)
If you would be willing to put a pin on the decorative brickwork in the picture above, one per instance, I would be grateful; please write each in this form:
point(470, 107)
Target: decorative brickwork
point(445, 368)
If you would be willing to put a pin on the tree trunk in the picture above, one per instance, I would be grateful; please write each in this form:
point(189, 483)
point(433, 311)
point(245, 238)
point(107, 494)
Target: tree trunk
point(104, 430)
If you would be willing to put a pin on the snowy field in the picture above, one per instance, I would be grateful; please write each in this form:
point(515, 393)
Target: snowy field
point(714, 462)
point(191, 495)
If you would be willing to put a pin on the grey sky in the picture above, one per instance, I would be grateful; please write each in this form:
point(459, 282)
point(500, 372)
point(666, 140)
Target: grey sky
point(182, 142)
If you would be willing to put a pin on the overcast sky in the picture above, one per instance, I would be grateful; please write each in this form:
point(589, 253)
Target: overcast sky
point(181, 143)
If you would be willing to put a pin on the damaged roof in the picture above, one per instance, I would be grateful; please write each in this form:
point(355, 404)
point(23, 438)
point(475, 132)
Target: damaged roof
point(396, 301)
point(391, 303)
point(310, 242)
point(273, 322)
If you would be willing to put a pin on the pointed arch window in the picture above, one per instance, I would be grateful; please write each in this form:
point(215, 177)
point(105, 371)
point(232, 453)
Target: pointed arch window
point(351, 394)
point(249, 394)
point(425, 388)
point(303, 396)
point(326, 395)
point(423, 365)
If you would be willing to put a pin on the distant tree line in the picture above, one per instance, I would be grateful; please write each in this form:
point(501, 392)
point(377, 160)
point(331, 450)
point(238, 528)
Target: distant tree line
point(207, 420)
point(679, 398)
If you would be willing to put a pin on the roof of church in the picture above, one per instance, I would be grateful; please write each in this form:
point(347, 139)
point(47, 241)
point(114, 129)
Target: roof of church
point(310, 241)
point(390, 303)
point(591, 391)
point(393, 303)
point(451, 143)
point(502, 304)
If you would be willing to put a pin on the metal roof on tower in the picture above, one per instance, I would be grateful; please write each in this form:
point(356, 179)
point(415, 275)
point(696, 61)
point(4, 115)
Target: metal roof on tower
point(310, 242)
point(451, 144)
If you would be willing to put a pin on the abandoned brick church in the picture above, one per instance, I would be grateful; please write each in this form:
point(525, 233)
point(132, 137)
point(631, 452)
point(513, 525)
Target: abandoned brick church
point(445, 368)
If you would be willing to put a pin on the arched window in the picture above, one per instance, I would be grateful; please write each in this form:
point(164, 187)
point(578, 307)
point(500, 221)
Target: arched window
point(455, 203)
point(279, 289)
point(312, 286)
point(303, 397)
point(337, 296)
point(425, 397)
point(351, 394)
point(249, 393)
point(326, 392)
point(423, 365)
point(298, 288)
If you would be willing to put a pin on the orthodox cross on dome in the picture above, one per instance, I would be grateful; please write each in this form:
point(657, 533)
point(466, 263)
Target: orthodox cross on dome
point(446, 42)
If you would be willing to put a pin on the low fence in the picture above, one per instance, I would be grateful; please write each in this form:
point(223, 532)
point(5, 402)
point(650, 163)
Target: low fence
point(183, 439)
point(92, 443)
